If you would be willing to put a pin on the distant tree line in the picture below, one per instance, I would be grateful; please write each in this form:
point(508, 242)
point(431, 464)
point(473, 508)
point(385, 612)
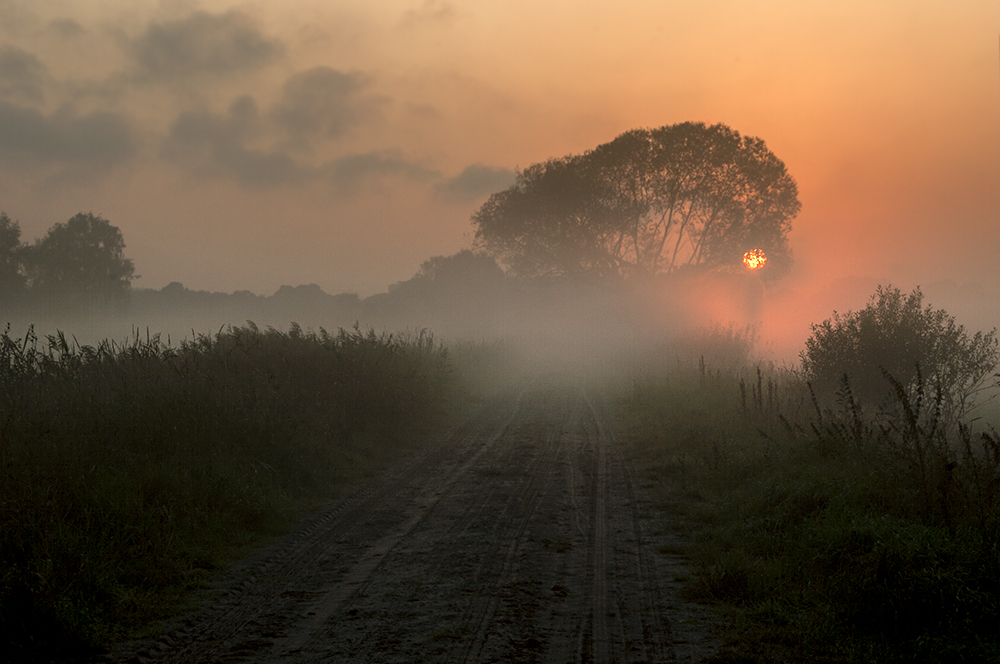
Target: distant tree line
point(649, 203)
point(79, 269)
point(80, 263)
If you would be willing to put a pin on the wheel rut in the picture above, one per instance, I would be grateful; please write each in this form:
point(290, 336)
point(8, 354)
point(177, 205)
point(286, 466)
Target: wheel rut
point(521, 537)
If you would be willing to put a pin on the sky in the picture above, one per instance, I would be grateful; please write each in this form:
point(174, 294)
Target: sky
point(249, 145)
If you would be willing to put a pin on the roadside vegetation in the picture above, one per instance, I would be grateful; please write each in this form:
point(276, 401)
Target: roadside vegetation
point(129, 471)
point(840, 512)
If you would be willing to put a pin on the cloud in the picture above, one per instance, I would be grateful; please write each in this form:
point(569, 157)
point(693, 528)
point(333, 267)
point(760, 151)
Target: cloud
point(213, 145)
point(22, 75)
point(203, 44)
point(210, 145)
point(351, 170)
point(17, 17)
point(430, 11)
point(476, 181)
point(66, 28)
point(64, 139)
point(322, 101)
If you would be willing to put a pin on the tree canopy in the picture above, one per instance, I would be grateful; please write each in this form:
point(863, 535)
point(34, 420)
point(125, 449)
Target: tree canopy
point(649, 202)
point(11, 280)
point(84, 256)
point(896, 338)
point(466, 268)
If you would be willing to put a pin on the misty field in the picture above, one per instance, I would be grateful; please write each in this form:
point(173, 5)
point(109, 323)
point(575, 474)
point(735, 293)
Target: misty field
point(833, 533)
point(130, 470)
point(845, 522)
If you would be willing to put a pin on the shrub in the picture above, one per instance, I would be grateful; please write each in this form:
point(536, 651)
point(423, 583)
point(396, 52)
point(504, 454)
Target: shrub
point(896, 338)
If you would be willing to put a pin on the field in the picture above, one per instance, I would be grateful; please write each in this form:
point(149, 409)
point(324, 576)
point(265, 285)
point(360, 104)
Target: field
point(134, 473)
point(129, 471)
point(827, 534)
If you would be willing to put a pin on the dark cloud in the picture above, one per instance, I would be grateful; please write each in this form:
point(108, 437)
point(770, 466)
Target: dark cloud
point(66, 28)
point(64, 140)
point(22, 75)
point(203, 44)
point(209, 145)
point(352, 170)
point(476, 181)
point(322, 101)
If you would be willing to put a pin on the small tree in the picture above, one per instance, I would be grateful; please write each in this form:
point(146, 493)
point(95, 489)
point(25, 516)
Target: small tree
point(896, 336)
point(82, 259)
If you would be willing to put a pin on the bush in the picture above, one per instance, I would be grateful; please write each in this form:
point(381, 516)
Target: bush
point(824, 539)
point(894, 340)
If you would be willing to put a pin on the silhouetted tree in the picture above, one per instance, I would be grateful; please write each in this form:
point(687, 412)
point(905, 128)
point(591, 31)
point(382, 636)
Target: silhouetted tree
point(649, 202)
point(82, 258)
point(466, 268)
point(896, 336)
point(11, 279)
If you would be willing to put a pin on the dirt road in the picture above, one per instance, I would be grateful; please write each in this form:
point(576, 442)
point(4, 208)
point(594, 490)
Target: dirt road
point(523, 537)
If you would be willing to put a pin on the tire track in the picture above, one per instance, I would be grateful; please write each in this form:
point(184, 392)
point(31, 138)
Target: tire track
point(599, 646)
point(494, 574)
point(647, 637)
point(256, 588)
point(522, 537)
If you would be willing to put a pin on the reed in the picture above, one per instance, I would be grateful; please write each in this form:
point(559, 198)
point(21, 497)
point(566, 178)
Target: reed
point(129, 470)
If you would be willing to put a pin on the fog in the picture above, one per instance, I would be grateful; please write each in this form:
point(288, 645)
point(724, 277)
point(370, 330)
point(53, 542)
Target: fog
point(299, 164)
point(541, 325)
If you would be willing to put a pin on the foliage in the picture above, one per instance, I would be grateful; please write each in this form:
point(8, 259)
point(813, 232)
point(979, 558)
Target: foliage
point(896, 337)
point(11, 279)
point(129, 470)
point(826, 536)
point(82, 257)
point(467, 269)
point(651, 201)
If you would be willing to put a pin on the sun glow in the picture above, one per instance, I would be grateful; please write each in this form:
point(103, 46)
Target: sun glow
point(754, 259)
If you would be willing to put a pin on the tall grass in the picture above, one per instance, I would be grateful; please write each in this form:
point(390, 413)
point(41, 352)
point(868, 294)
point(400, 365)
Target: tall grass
point(834, 534)
point(127, 470)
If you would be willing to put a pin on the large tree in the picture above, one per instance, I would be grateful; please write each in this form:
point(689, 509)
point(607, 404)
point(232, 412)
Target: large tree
point(649, 202)
point(83, 257)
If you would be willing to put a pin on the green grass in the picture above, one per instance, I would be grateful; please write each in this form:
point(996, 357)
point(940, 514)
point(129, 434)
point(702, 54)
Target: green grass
point(826, 535)
point(128, 471)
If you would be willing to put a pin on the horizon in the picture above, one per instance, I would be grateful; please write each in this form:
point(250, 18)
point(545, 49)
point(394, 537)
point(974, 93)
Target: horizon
point(245, 147)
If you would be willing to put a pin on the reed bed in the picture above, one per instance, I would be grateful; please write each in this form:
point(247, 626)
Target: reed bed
point(130, 470)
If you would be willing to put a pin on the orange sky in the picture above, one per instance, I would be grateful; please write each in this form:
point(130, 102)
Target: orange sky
point(887, 114)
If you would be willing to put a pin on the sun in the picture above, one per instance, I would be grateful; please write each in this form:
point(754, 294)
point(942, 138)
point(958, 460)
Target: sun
point(754, 259)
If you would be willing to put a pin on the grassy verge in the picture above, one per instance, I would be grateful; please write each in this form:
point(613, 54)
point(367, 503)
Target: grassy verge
point(128, 471)
point(827, 536)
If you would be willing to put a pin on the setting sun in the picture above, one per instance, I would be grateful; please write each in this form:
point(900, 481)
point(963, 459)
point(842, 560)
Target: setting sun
point(754, 259)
